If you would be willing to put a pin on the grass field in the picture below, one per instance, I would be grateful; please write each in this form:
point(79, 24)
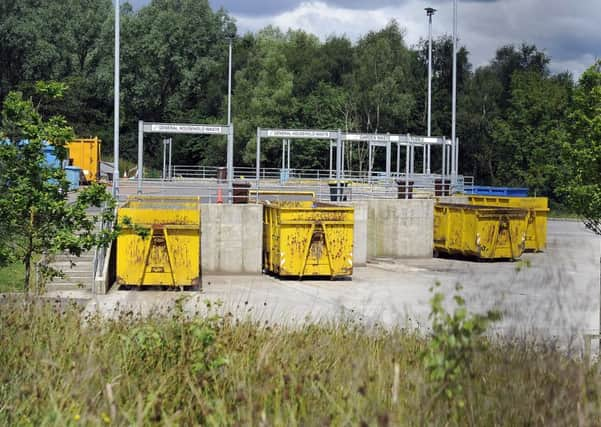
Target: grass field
point(11, 278)
point(60, 369)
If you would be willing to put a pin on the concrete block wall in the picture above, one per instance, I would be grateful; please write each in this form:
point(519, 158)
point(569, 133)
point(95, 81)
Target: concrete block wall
point(400, 228)
point(232, 238)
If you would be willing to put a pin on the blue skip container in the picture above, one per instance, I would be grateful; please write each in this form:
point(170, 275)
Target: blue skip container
point(73, 174)
point(482, 190)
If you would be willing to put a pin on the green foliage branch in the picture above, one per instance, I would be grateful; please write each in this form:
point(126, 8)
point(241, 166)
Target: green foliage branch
point(456, 337)
point(37, 217)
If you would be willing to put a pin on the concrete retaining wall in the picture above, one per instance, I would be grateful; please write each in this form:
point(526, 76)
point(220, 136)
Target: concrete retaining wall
point(104, 281)
point(400, 228)
point(360, 234)
point(232, 238)
point(457, 200)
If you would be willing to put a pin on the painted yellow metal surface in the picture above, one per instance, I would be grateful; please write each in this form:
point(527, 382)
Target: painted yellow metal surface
point(538, 208)
point(485, 232)
point(85, 154)
point(304, 238)
point(160, 242)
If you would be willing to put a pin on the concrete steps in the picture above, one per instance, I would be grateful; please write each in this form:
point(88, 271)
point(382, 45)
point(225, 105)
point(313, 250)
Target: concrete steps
point(77, 270)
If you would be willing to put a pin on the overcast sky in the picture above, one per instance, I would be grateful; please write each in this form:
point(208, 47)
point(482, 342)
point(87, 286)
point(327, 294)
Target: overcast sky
point(569, 31)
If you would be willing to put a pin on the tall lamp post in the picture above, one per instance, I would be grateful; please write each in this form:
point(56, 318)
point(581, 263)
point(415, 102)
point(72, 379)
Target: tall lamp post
point(454, 99)
point(429, 12)
point(229, 82)
point(116, 113)
point(228, 27)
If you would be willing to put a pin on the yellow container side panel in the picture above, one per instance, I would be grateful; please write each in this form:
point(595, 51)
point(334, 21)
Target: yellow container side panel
point(163, 202)
point(148, 216)
point(480, 231)
point(85, 153)
point(538, 208)
point(308, 239)
point(160, 242)
point(167, 257)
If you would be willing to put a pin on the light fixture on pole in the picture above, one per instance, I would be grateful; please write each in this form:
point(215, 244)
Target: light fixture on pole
point(429, 12)
point(116, 106)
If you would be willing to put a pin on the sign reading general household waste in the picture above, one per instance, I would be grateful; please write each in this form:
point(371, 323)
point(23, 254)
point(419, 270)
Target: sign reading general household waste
point(309, 134)
point(185, 129)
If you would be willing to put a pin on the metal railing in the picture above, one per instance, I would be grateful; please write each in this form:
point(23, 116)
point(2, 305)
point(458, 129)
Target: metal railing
point(211, 190)
point(294, 174)
point(100, 252)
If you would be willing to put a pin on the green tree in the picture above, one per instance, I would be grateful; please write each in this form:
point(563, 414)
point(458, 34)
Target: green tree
point(36, 216)
point(510, 59)
point(380, 73)
point(442, 83)
point(264, 95)
point(480, 108)
point(531, 133)
point(174, 68)
point(488, 100)
point(583, 152)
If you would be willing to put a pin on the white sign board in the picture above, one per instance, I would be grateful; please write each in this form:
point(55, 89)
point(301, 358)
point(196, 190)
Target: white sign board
point(185, 129)
point(307, 134)
point(373, 137)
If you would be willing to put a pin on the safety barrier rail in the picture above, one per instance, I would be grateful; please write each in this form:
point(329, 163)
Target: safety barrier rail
point(294, 174)
point(215, 191)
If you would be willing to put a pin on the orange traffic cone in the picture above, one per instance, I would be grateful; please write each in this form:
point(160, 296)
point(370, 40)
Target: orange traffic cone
point(219, 196)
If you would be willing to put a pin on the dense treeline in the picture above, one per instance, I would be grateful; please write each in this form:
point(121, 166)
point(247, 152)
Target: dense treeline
point(514, 115)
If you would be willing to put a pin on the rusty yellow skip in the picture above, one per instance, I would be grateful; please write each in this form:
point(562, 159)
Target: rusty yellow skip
point(536, 233)
point(160, 242)
point(485, 232)
point(305, 238)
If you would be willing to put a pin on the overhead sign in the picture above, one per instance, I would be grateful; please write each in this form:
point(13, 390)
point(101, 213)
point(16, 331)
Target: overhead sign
point(406, 139)
point(289, 133)
point(185, 129)
point(373, 137)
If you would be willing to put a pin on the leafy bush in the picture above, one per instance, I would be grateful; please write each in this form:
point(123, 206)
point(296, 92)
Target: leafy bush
point(455, 340)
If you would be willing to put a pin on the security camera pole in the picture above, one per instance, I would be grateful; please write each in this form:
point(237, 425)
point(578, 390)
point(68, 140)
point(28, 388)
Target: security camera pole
point(429, 12)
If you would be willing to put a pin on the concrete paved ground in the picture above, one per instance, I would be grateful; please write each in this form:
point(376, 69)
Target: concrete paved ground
point(557, 295)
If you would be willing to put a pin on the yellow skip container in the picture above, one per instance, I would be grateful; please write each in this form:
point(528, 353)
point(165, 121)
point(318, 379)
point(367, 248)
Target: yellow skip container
point(304, 238)
point(485, 232)
point(85, 154)
point(538, 208)
point(159, 244)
